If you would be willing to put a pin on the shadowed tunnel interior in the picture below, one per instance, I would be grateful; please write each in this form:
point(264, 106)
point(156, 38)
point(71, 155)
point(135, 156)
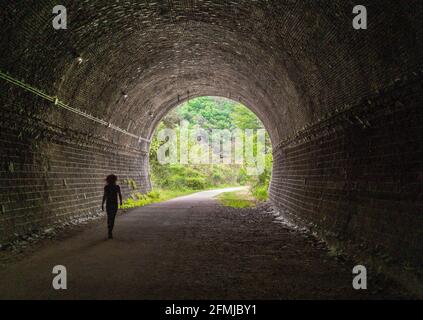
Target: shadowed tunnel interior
point(342, 107)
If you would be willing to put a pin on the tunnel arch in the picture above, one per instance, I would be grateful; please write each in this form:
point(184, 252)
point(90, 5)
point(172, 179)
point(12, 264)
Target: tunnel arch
point(281, 55)
point(336, 102)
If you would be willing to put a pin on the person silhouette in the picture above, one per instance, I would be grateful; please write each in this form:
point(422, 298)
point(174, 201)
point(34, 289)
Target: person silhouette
point(110, 197)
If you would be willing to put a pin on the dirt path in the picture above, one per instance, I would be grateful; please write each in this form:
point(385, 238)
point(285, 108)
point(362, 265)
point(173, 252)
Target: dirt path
point(188, 248)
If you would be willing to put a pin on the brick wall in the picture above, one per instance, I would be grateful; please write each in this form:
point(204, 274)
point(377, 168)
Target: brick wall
point(49, 175)
point(358, 176)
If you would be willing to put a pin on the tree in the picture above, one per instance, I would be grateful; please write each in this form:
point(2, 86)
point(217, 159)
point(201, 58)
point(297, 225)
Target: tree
point(243, 118)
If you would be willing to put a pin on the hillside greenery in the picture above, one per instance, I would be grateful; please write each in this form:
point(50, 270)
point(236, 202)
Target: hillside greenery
point(209, 113)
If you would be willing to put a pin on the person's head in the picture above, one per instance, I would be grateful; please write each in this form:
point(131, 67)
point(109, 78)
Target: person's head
point(112, 179)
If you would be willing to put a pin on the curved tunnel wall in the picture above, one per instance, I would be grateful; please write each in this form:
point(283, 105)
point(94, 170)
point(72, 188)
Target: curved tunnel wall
point(342, 106)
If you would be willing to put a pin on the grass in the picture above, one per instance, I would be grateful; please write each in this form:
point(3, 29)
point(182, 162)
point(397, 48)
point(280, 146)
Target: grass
point(261, 192)
point(155, 196)
point(237, 199)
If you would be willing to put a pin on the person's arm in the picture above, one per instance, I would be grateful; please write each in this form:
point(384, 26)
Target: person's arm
point(104, 200)
point(120, 196)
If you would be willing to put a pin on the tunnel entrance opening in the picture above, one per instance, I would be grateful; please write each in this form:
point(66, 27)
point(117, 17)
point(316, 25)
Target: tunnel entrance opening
point(210, 142)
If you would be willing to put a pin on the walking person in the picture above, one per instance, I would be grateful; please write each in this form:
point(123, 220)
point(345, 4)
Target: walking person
point(110, 197)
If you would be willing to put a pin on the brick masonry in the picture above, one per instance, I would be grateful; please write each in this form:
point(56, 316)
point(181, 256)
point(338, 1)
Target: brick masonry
point(359, 177)
point(48, 175)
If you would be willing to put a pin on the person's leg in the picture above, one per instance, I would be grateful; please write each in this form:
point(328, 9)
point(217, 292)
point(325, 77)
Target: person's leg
point(111, 222)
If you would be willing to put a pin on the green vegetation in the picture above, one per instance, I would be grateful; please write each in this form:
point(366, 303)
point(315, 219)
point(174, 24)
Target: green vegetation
point(140, 200)
point(210, 113)
point(237, 199)
point(260, 184)
point(179, 177)
point(174, 180)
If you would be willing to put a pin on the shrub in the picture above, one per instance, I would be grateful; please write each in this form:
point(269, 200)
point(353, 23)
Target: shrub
point(260, 192)
point(154, 195)
point(195, 183)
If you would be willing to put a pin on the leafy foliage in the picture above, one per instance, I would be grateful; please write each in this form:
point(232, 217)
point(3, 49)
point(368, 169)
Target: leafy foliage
point(209, 113)
point(237, 199)
point(140, 200)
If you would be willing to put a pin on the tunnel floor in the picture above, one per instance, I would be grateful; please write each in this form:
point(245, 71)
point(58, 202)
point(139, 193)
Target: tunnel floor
point(189, 248)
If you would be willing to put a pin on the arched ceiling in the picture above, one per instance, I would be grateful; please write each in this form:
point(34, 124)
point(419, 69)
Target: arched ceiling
point(290, 61)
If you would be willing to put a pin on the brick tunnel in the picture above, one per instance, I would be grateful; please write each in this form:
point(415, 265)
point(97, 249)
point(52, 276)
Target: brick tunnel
point(343, 107)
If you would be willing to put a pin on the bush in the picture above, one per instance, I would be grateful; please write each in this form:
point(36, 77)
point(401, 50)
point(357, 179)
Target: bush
point(154, 195)
point(243, 177)
point(195, 183)
point(178, 177)
point(260, 192)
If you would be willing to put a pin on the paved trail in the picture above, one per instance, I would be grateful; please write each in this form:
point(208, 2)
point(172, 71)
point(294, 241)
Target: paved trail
point(187, 248)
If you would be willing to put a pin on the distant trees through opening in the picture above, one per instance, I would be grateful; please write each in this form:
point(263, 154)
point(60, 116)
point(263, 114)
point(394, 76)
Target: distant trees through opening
point(211, 142)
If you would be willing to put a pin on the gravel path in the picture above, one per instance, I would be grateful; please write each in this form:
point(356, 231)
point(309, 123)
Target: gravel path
point(188, 248)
